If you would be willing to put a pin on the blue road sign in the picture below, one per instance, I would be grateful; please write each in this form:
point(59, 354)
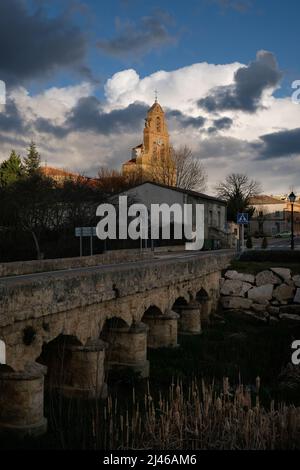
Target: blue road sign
point(242, 218)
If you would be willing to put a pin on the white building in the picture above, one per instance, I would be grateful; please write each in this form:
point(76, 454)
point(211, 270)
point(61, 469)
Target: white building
point(215, 210)
point(273, 215)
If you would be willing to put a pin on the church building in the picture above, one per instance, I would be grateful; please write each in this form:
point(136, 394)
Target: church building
point(152, 160)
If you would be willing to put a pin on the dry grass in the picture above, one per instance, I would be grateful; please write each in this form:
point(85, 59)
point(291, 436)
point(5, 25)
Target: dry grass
point(199, 417)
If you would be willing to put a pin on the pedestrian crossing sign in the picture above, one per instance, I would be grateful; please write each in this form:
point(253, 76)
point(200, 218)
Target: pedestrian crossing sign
point(242, 218)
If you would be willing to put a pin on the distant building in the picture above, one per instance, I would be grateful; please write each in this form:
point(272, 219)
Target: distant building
point(273, 215)
point(215, 210)
point(152, 160)
point(58, 174)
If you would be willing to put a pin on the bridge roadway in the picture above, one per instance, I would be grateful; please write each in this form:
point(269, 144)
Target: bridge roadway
point(164, 258)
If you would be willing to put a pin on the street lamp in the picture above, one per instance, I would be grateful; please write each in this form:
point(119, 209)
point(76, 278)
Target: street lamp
point(292, 199)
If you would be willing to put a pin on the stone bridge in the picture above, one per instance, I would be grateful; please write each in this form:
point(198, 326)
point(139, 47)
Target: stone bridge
point(65, 329)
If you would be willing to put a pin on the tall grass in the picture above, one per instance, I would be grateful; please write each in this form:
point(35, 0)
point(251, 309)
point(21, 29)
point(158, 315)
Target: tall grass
point(196, 416)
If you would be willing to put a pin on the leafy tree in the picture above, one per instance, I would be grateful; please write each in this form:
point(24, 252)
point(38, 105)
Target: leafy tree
point(11, 169)
point(236, 190)
point(29, 205)
point(32, 162)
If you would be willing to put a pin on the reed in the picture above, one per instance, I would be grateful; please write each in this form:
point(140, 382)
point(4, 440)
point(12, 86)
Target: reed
point(194, 416)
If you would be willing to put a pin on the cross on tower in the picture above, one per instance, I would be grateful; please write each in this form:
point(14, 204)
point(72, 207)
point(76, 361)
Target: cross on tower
point(155, 91)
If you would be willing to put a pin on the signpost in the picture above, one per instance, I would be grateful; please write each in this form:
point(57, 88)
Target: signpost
point(85, 232)
point(242, 220)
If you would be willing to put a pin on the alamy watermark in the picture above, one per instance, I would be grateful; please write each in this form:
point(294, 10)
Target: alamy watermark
point(2, 92)
point(135, 222)
point(296, 354)
point(296, 94)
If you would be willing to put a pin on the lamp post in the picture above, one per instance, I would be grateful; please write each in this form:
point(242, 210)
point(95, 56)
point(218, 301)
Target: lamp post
point(292, 199)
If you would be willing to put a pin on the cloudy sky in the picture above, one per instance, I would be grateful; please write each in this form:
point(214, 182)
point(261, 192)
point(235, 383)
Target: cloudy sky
point(80, 75)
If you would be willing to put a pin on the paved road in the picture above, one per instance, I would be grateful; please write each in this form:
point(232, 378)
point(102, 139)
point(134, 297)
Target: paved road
point(277, 243)
point(159, 259)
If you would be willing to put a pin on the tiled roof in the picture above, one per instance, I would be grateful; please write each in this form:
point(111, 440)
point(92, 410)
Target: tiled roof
point(265, 199)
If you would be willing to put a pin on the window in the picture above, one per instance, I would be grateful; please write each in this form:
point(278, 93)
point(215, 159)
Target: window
point(210, 218)
point(158, 124)
point(219, 219)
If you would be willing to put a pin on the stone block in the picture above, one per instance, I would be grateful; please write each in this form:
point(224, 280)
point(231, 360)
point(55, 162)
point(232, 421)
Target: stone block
point(234, 275)
point(235, 288)
point(296, 280)
point(297, 297)
point(236, 302)
point(283, 273)
point(267, 277)
point(261, 294)
point(283, 292)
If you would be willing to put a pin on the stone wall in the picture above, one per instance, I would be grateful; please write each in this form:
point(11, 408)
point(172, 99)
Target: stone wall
point(18, 268)
point(272, 295)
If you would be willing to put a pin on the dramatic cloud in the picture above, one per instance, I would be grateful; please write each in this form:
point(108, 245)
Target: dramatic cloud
point(279, 144)
point(33, 44)
point(220, 124)
point(88, 115)
point(10, 118)
point(138, 39)
point(177, 89)
point(249, 85)
point(183, 120)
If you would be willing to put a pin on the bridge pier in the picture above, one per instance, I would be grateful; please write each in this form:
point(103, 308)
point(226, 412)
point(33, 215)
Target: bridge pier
point(128, 348)
point(84, 374)
point(162, 329)
point(190, 319)
point(22, 402)
point(206, 310)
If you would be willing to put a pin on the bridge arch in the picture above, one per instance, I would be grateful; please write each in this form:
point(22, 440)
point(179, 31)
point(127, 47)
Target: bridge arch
point(179, 302)
point(202, 295)
point(205, 300)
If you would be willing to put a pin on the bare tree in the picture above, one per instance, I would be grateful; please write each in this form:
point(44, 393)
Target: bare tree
point(162, 169)
point(190, 171)
point(237, 189)
point(112, 181)
point(180, 168)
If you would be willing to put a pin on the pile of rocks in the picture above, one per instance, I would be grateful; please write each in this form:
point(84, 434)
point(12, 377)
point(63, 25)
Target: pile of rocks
point(270, 296)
